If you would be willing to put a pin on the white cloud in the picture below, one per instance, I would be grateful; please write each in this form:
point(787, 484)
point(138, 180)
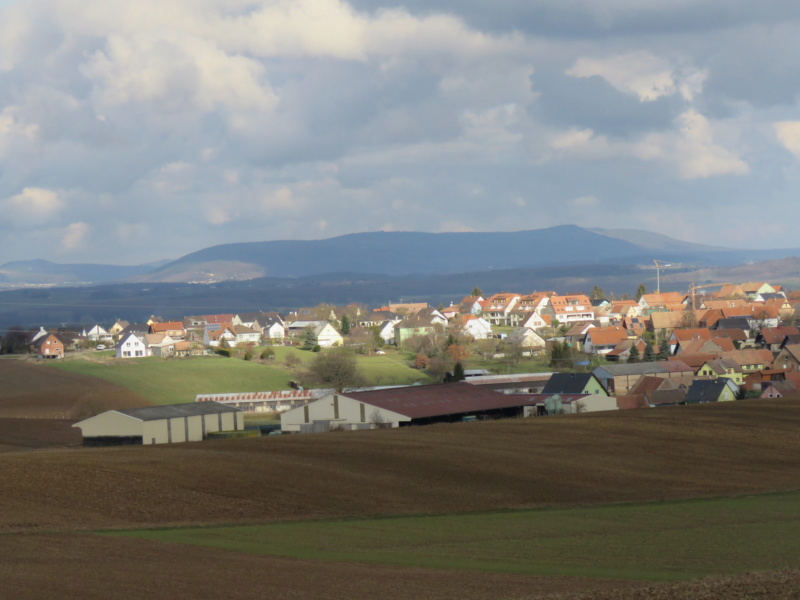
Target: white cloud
point(33, 206)
point(642, 74)
point(692, 149)
point(75, 236)
point(788, 133)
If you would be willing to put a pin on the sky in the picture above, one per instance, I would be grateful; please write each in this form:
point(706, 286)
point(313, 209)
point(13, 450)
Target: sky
point(133, 132)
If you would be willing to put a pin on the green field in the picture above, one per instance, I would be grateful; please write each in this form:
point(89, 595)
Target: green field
point(176, 380)
point(657, 541)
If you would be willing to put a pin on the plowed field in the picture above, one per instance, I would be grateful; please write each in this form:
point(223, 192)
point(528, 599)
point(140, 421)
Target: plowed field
point(52, 500)
point(33, 390)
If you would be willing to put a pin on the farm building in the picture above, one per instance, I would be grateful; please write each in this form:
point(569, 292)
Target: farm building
point(277, 401)
point(427, 404)
point(160, 424)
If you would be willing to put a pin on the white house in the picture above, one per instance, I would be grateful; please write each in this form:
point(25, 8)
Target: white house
point(327, 336)
point(478, 327)
point(132, 346)
point(246, 335)
point(526, 338)
point(98, 334)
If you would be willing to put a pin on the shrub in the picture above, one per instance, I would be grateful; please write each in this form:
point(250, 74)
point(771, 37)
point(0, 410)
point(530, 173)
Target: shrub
point(267, 354)
point(248, 355)
point(226, 352)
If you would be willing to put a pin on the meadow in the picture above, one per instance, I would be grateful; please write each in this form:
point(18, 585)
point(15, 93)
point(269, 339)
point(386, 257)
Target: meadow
point(176, 380)
point(653, 541)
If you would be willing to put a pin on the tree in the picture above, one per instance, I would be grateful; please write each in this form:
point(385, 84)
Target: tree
point(597, 293)
point(560, 355)
point(633, 355)
point(640, 291)
point(15, 341)
point(663, 350)
point(336, 368)
point(345, 325)
point(649, 355)
point(476, 292)
point(309, 340)
point(458, 372)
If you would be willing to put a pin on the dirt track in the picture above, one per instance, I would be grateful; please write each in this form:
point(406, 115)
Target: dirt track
point(636, 455)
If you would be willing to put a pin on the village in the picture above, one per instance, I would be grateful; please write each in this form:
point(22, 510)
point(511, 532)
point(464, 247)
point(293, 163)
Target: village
point(594, 353)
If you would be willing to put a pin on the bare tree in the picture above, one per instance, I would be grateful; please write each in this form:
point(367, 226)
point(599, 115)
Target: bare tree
point(336, 368)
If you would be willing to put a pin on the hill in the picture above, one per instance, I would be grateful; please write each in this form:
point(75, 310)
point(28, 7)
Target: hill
point(38, 272)
point(31, 390)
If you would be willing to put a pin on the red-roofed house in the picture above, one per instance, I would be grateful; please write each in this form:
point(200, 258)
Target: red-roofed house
point(602, 340)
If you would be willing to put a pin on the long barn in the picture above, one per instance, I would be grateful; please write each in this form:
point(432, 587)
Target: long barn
point(190, 422)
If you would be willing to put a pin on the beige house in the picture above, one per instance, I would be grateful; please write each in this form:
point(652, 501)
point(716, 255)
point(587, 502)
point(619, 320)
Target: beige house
point(189, 422)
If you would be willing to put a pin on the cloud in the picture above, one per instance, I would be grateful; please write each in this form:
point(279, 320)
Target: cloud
point(246, 120)
point(642, 74)
point(692, 150)
point(75, 235)
point(33, 206)
point(788, 133)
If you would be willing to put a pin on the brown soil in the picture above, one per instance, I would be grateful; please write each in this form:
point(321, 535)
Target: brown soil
point(31, 390)
point(686, 452)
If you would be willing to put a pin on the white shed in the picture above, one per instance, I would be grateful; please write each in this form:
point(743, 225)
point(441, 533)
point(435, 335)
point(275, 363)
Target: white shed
point(189, 422)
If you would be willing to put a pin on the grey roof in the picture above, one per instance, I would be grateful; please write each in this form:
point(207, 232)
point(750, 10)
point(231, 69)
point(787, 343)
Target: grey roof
point(190, 409)
point(705, 390)
point(660, 366)
point(567, 383)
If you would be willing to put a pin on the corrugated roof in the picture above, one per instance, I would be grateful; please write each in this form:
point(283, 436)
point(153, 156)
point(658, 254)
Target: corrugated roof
point(423, 401)
point(190, 409)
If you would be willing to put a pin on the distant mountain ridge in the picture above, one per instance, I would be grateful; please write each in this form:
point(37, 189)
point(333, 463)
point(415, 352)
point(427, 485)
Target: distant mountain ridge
point(401, 254)
point(404, 253)
point(44, 272)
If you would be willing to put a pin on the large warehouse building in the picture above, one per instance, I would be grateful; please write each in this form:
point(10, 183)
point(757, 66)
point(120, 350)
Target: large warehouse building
point(426, 404)
point(190, 422)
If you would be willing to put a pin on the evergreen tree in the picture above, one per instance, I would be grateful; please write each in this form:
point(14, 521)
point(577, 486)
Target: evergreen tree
point(634, 356)
point(649, 355)
point(663, 350)
point(345, 325)
point(458, 372)
point(476, 291)
point(310, 339)
point(640, 291)
point(597, 293)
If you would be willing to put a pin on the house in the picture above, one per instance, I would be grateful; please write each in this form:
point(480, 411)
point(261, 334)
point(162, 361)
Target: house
point(327, 336)
point(773, 338)
point(622, 351)
point(190, 422)
point(526, 338)
point(574, 383)
point(477, 328)
point(273, 328)
point(602, 340)
point(752, 289)
point(386, 331)
point(716, 345)
point(788, 358)
point(174, 329)
point(751, 360)
point(246, 335)
point(131, 345)
point(118, 326)
point(618, 379)
point(49, 346)
point(779, 389)
point(97, 334)
point(470, 305)
point(215, 334)
point(702, 391)
point(569, 309)
point(159, 344)
point(722, 367)
point(519, 383)
point(497, 309)
point(410, 327)
point(534, 321)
